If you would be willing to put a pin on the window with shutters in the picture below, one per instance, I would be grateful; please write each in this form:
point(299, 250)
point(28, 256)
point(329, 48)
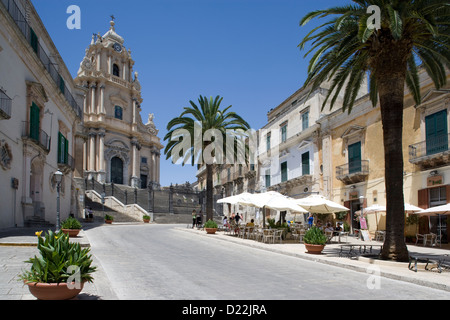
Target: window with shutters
point(436, 132)
point(305, 164)
point(34, 41)
point(63, 149)
point(34, 121)
point(284, 172)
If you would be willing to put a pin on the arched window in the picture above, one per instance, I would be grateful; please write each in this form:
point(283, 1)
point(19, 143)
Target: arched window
point(116, 71)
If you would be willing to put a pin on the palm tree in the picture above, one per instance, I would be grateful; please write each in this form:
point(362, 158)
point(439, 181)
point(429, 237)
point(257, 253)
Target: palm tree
point(187, 136)
point(348, 49)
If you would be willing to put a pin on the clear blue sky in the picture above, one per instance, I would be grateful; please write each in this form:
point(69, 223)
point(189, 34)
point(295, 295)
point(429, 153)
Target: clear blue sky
point(243, 50)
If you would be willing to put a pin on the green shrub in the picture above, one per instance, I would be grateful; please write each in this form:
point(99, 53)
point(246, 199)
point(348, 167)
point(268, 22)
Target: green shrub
point(59, 260)
point(146, 217)
point(108, 217)
point(210, 224)
point(71, 223)
point(315, 236)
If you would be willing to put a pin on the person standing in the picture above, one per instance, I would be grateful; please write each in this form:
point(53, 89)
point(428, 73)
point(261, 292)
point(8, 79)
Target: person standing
point(310, 220)
point(194, 218)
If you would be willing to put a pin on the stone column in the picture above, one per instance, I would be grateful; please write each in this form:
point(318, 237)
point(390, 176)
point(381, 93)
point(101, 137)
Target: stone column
point(134, 177)
point(102, 99)
point(101, 174)
point(93, 87)
point(91, 168)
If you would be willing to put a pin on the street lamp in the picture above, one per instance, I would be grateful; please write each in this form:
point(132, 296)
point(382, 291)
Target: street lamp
point(58, 179)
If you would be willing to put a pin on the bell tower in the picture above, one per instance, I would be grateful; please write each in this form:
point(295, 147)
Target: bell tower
point(118, 146)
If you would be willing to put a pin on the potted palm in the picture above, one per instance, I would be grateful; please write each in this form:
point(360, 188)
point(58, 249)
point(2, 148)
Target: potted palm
point(146, 218)
point(314, 240)
point(210, 227)
point(71, 226)
point(109, 219)
point(61, 270)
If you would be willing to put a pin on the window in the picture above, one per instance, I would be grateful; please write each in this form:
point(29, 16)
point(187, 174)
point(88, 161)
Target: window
point(116, 71)
point(63, 149)
point(62, 85)
point(34, 41)
point(284, 172)
point(438, 196)
point(305, 120)
point(268, 142)
point(267, 178)
point(436, 132)
point(35, 119)
point(354, 158)
point(143, 160)
point(118, 112)
point(305, 164)
point(284, 133)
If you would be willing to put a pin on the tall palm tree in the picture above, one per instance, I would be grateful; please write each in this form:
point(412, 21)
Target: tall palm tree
point(189, 137)
point(348, 49)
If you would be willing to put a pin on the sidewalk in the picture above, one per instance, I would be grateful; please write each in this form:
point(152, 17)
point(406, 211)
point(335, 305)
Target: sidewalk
point(11, 260)
point(18, 245)
point(330, 255)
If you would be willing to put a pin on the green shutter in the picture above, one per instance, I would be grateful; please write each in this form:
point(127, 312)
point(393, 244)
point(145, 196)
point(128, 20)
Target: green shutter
point(436, 132)
point(354, 157)
point(63, 149)
point(66, 151)
point(62, 85)
point(34, 122)
point(284, 173)
point(34, 40)
point(305, 164)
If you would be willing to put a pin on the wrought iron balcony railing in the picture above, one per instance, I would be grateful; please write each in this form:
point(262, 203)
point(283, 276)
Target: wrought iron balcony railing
point(5, 106)
point(37, 135)
point(69, 162)
point(353, 172)
point(429, 147)
point(22, 24)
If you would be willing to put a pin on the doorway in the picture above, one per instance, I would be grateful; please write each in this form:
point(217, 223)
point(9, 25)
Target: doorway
point(117, 170)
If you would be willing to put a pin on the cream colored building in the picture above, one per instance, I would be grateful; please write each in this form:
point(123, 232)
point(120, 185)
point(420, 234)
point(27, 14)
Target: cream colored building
point(118, 147)
point(353, 152)
point(40, 110)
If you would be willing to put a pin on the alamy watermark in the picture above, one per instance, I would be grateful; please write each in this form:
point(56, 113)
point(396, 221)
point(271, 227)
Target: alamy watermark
point(74, 20)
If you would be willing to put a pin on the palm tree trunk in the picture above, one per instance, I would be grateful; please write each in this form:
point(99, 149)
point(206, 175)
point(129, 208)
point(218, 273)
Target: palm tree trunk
point(209, 192)
point(391, 93)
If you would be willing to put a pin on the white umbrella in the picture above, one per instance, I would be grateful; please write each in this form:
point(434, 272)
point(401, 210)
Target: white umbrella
point(233, 199)
point(439, 210)
point(411, 208)
point(373, 209)
point(320, 204)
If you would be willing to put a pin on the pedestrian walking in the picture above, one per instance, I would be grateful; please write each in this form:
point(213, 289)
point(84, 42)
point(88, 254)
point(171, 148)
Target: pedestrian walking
point(200, 219)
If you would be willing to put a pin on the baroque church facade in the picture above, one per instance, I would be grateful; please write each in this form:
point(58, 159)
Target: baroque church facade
point(117, 146)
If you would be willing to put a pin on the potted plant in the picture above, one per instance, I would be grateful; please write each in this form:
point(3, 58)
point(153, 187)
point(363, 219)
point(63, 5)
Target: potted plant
point(314, 240)
point(71, 226)
point(109, 219)
point(210, 227)
point(146, 218)
point(62, 269)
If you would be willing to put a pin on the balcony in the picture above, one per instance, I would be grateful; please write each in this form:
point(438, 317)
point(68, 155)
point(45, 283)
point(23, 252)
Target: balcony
point(36, 135)
point(431, 153)
point(19, 19)
point(353, 172)
point(67, 164)
point(5, 106)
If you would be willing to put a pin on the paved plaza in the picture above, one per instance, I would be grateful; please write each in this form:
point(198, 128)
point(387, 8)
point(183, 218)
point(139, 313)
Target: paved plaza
point(117, 257)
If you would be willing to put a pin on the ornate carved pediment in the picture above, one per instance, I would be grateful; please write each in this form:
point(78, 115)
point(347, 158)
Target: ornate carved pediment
point(36, 93)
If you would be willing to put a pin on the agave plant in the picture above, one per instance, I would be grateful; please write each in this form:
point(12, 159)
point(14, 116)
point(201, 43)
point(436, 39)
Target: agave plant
point(59, 261)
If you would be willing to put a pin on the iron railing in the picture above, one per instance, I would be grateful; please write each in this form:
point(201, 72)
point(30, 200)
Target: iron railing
point(431, 146)
point(70, 162)
point(5, 105)
point(22, 24)
point(37, 135)
point(355, 167)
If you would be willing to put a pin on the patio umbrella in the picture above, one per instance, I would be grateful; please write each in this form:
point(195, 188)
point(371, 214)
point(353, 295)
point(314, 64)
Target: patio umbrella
point(411, 208)
point(233, 199)
point(439, 210)
point(320, 204)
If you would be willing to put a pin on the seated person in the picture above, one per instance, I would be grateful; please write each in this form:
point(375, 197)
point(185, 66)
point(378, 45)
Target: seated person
point(251, 223)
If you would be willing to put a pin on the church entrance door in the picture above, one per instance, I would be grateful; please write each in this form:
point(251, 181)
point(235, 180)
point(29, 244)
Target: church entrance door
point(117, 170)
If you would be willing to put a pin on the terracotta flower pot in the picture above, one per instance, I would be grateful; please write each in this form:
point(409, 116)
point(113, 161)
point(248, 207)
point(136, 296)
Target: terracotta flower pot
point(53, 291)
point(211, 230)
point(108, 221)
point(146, 220)
point(71, 232)
point(314, 248)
